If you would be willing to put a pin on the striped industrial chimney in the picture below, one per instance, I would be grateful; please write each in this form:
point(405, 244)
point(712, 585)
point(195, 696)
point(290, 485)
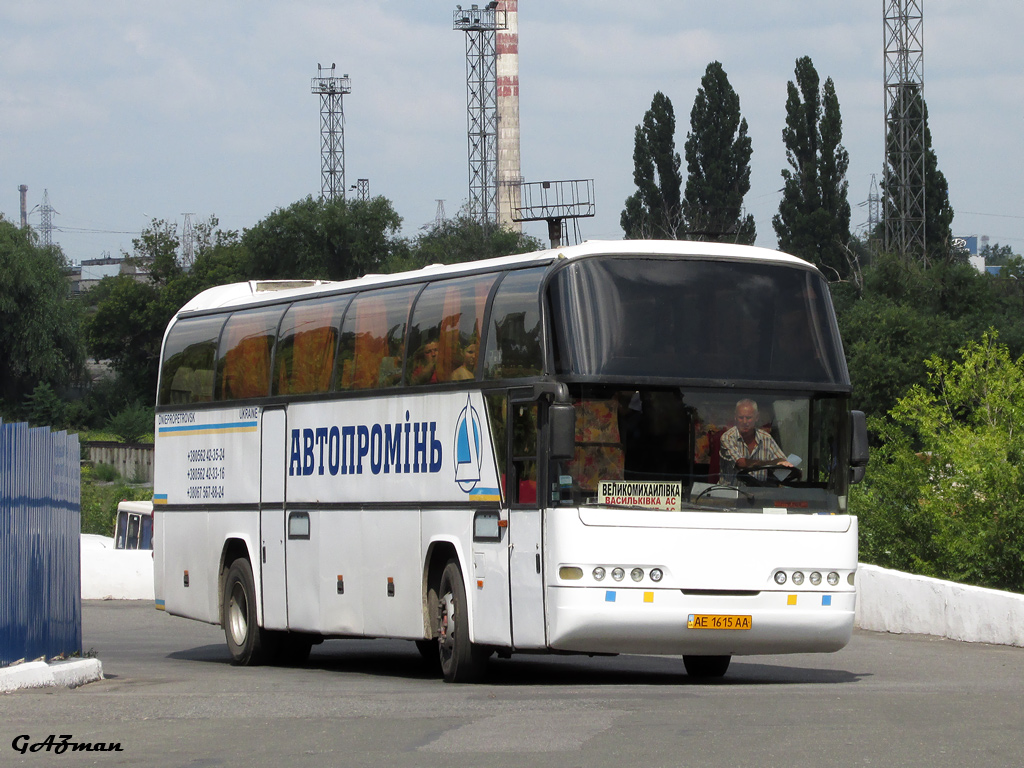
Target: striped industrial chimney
point(509, 170)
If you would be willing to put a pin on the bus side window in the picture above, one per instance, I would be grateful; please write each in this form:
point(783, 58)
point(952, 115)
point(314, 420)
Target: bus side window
point(243, 370)
point(444, 335)
point(190, 354)
point(514, 346)
point(306, 345)
point(373, 338)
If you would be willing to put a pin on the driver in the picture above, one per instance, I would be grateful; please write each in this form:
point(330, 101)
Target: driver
point(745, 447)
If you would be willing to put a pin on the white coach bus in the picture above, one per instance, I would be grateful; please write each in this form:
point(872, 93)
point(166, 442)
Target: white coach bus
point(528, 453)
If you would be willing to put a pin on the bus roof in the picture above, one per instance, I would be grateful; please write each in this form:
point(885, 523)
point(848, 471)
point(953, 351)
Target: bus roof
point(235, 294)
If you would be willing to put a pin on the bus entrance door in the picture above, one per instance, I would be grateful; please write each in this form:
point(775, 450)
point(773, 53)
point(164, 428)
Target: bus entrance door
point(271, 554)
point(526, 581)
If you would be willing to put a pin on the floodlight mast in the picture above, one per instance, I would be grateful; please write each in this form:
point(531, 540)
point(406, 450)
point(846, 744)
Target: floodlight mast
point(331, 89)
point(904, 204)
point(481, 26)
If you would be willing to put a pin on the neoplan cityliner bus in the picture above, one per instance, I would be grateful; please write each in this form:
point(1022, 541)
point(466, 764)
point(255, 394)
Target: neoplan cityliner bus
point(519, 454)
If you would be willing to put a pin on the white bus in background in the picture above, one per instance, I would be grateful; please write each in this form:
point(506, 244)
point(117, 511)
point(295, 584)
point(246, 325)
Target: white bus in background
point(133, 528)
point(519, 454)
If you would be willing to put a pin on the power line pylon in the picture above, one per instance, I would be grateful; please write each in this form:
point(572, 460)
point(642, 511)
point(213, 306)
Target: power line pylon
point(481, 26)
point(331, 89)
point(362, 189)
point(46, 212)
point(904, 203)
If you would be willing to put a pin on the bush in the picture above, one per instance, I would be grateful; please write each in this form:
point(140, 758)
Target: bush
point(132, 424)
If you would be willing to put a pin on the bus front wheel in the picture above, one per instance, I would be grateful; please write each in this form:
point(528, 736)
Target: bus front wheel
point(706, 666)
point(461, 660)
point(250, 644)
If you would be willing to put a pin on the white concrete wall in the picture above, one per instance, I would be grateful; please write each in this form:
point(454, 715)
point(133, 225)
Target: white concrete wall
point(892, 601)
point(115, 574)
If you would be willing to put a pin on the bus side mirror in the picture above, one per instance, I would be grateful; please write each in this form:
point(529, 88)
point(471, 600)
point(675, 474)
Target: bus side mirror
point(562, 431)
point(858, 445)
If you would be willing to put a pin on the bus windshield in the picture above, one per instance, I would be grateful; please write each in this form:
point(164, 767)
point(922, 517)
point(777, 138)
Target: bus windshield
point(691, 319)
point(679, 449)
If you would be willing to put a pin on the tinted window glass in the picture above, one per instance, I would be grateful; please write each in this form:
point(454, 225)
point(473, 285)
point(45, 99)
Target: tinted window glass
point(190, 354)
point(444, 337)
point(692, 319)
point(372, 339)
point(244, 367)
point(308, 340)
point(514, 345)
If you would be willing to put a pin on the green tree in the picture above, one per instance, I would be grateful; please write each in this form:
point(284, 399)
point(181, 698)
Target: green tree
point(813, 221)
point(956, 444)
point(324, 239)
point(654, 210)
point(938, 212)
point(718, 154)
point(39, 322)
point(453, 241)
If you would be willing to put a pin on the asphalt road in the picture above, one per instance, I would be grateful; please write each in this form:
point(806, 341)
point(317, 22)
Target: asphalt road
point(172, 699)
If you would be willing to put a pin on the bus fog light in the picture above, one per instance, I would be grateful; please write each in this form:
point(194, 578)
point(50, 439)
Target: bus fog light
point(618, 574)
point(570, 573)
point(656, 574)
point(637, 574)
point(815, 578)
point(833, 578)
point(849, 578)
point(780, 577)
point(598, 574)
point(798, 577)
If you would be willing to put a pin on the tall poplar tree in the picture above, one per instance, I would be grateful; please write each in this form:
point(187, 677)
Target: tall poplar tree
point(718, 164)
point(813, 221)
point(653, 211)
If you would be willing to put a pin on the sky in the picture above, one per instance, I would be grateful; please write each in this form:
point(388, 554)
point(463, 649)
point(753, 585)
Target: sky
point(130, 110)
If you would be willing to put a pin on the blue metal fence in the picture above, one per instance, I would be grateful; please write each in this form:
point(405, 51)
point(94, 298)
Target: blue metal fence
point(40, 534)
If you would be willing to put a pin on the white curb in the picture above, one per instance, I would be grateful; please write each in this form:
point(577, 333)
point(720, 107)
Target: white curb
point(39, 674)
point(892, 601)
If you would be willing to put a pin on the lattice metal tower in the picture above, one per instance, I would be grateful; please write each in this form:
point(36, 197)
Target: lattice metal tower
point(332, 131)
point(362, 189)
point(904, 185)
point(188, 242)
point(481, 26)
point(46, 212)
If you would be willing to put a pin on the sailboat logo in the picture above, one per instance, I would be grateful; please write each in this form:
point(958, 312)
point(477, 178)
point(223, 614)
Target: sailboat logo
point(467, 448)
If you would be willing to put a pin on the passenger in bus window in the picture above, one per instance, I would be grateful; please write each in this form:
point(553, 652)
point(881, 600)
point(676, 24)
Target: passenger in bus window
point(467, 370)
point(424, 370)
point(748, 450)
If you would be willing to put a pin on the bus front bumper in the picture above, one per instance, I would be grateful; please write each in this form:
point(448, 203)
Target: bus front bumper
point(667, 621)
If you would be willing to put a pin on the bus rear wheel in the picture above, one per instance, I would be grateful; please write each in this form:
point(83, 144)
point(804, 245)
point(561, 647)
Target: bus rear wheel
point(250, 644)
point(461, 660)
point(706, 666)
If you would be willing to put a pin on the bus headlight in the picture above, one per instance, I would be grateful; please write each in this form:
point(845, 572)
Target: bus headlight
point(815, 578)
point(780, 577)
point(833, 578)
point(798, 578)
point(618, 574)
point(598, 574)
point(656, 574)
point(637, 574)
point(570, 573)
point(850, 577)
